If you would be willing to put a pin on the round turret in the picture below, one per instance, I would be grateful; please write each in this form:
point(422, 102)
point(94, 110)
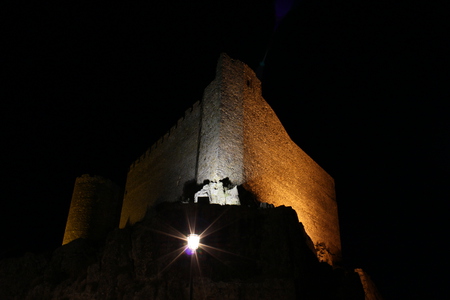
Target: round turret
point(94, 209)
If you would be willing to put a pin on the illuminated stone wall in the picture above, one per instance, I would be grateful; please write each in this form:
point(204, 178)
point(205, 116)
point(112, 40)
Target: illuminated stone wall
point(277, 171)
point(162, 172)
point(221, 144)
point(94, 209)
point(370, 290)
point(243, 139)
point(234, 133)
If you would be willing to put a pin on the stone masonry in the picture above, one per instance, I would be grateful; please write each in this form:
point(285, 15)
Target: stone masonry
point(233, 133)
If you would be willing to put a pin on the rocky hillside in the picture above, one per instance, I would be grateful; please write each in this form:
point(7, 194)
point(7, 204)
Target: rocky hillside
point(245, 253)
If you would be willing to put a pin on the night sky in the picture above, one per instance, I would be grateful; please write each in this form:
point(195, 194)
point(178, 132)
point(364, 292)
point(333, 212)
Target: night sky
point(362, 88)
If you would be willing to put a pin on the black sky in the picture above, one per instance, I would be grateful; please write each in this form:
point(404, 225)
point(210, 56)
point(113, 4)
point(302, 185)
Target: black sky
point(361, 87)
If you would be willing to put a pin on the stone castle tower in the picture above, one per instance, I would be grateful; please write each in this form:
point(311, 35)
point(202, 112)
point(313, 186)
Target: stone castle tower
point(232, 133)
point(94, 209)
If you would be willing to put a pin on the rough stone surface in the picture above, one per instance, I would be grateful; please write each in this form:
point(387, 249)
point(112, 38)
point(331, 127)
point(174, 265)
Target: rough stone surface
point(94, 209)
point(217, 193)
point(370, 290)
point(233, 133)
point(221, 151)
point(245, 253)
point(277, 171)
point(240, 138)
point(164, 171)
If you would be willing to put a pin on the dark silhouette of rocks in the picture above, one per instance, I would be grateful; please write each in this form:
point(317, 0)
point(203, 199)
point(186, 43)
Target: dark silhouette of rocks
point(245, 253)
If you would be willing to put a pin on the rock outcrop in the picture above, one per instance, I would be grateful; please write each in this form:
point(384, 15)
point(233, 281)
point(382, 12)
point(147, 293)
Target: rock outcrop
point(245, 253)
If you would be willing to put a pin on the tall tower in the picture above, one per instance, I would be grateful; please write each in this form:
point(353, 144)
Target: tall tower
point(233, 133)
point(243, 139)
point(221, 145)
point(94, 210)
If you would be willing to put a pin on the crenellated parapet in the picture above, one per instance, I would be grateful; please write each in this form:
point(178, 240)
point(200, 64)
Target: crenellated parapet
point(163, 172)
point(172, 131)
point(232, 133)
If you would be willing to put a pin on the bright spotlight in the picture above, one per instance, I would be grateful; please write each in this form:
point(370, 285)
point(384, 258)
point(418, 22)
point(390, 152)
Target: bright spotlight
point(193, 241)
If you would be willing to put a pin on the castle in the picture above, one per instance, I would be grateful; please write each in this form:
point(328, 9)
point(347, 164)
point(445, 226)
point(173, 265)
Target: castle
point(232, 138)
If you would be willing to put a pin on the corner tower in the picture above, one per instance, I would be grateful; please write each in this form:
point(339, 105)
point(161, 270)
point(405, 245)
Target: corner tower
point(94, 209)
point(243, 139)
point(233, 133)
point(221, 146)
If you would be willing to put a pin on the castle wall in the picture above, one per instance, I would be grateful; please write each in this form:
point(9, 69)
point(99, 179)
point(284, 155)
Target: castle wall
point(277, 171)
point(234, 133)
point(94, 209)
point(243, 139)
point(162, 172)
point(221, 144)
point(370, 290)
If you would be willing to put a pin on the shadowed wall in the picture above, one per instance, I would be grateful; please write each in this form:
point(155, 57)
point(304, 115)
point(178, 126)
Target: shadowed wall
point(161, 173)
point(94, 209)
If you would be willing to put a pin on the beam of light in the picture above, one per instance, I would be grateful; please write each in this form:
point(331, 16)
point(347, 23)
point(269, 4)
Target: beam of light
point(192, 222)
point(193, 241)
point(197, 262)
point(180, 250)
point(211, 249)
point(209, 229)
point(207, 248)
point(178, 234)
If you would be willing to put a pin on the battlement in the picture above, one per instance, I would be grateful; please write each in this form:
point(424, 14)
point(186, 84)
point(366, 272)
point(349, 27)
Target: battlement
point(232, 133)
point(169, 133)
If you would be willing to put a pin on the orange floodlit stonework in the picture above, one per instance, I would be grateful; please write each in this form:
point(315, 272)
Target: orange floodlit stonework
point(94, 209)
point(233, 133)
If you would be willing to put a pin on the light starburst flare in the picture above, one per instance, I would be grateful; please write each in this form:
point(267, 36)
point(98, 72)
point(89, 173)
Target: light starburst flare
point(193, 241)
